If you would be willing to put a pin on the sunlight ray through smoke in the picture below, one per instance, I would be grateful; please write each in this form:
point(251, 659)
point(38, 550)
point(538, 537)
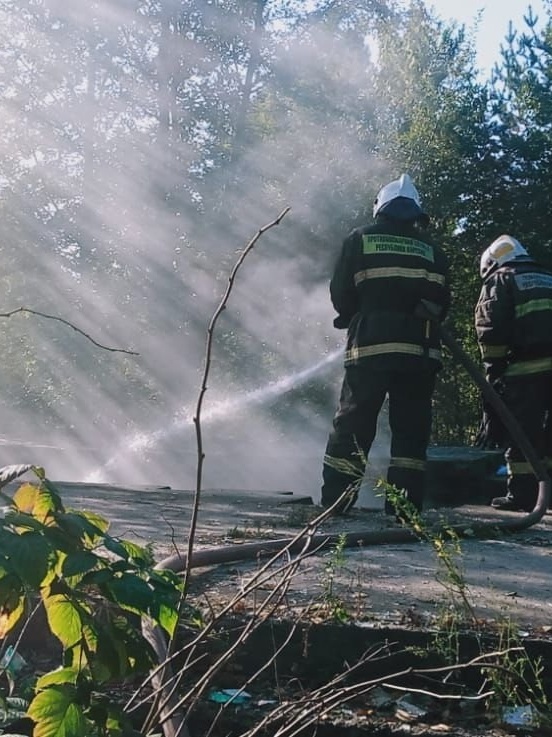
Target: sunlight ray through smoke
point(135, 163)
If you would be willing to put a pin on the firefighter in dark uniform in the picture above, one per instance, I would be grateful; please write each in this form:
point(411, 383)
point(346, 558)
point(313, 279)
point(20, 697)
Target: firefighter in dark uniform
point(513, 320)
point(381, 277)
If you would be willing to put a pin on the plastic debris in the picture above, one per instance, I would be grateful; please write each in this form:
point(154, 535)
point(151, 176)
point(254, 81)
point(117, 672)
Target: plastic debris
point(519, 716)
point(12, 662)
point(225, 695)
point(380, 698)
point(408, 712)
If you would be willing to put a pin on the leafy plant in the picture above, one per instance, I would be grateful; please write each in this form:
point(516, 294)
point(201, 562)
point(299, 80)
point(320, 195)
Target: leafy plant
point(94, 588)
point(446, 545)
point(336, 560)
point(519, 680)
point(515, 678)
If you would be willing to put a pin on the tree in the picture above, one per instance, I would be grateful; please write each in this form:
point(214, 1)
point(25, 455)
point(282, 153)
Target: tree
point(521, 115)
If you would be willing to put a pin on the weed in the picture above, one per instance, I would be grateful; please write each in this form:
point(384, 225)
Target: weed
point(331, 601)
point(299, 515)
point(91, 586)
point(515, 678)
point(519, 679)
point(247, 533)
point(446, 545)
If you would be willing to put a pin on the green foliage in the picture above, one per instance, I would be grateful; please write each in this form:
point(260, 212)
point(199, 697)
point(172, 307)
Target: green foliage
point(519, 680)
point(94, 589)
point(521, 110)
point(446, 545)
point(515, 678)
point(331, 601)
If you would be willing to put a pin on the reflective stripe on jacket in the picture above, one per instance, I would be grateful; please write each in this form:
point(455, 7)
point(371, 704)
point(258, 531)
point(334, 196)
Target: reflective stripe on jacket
point(513, 320)
point(382, 274)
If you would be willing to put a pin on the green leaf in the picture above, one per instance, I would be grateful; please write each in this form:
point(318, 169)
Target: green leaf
point(131, 593)
point(12, 603)
point(23, 520)
point(167, 618)
point(79, 527)
point(40, 472)
point(95, 519)
point(59, 540)
point(58, 677)
point(97, 578)
point(56, 714)
point(111, 660)
point(64, 618)
point(169, 580)
point(38, 502)
point(137, 554)
point(83, 651)
point(80, 562)
point(129, 551)
point(48, 486)
point(115, 546)
point(31, 557)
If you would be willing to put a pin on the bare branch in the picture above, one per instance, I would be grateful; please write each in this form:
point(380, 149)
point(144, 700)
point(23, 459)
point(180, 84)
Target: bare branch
point(69, 324)
point(203, 389)
point(313, 706)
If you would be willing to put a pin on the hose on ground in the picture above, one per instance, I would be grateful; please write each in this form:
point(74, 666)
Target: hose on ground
point(481, 530)
point(251, 551)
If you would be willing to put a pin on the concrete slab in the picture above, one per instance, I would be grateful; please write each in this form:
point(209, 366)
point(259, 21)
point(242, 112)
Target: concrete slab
point(507, 577)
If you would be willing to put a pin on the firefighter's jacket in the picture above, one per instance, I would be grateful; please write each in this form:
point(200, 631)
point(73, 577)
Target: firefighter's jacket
point(382, 274)
point(513, 320)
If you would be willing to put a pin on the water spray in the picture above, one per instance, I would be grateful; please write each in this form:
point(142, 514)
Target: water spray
point(252, 551)
point(219, 410)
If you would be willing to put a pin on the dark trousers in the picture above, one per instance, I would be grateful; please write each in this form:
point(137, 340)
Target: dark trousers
point(355, 423)
point(529, 398)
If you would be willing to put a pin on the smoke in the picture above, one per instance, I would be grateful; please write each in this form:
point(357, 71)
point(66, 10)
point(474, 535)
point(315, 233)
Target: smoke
point(120, 216)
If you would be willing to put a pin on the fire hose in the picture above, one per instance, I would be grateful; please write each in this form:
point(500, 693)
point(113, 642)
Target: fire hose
point(252, 551)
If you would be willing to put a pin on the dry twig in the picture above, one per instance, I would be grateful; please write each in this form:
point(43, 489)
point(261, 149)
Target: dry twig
point(207, 366)
point(167, 710)
point(69, 324)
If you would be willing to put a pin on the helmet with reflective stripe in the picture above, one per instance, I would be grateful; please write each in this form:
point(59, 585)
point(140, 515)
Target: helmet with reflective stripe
point(401, 187)
point(501, 251)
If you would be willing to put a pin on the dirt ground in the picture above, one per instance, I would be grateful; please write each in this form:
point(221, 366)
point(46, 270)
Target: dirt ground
point(384, 584)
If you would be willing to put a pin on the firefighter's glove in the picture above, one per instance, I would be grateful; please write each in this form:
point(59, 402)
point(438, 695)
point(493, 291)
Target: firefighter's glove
point(341, 322)
point(494, 373)
point(428, 310)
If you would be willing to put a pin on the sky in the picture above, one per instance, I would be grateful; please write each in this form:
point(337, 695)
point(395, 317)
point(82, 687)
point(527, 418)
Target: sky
point(493, 25)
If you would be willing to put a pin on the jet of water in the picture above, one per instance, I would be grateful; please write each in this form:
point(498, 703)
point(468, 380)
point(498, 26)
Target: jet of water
point(144, 441)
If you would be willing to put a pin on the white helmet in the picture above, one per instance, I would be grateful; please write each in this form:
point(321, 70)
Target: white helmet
point(402, 187)
point(500, 252)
